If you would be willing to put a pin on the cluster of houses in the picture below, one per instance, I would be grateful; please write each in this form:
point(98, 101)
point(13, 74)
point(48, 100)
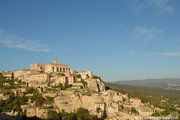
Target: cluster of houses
point(46, 74)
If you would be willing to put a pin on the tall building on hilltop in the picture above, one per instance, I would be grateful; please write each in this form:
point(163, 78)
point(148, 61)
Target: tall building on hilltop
point(54, 67)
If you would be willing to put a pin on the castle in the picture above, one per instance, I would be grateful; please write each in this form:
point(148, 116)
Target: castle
point(42, 75)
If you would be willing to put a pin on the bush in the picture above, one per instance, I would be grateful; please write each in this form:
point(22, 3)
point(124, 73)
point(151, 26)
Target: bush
point(60, 85)
point(133, 110)
point(78, 76)
point(61, 74)
point(97, 77)
point(31, 90)
point(84, 83)
point(98, 109)
point(40, 100)
point(52, 115)
point(49, 99)
point(156, 114)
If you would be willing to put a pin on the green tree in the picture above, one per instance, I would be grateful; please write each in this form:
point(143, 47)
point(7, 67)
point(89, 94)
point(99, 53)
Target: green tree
point(84, 83)
point(104, 115)
point(40, 100)
point(98, 109)
point(52, 115)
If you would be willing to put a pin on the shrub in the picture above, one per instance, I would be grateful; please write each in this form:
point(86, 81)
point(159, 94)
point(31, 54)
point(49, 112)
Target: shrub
point(61, 74)
point(84, 83)
point(98, 109)
point(78, 76)
point(49, 99)
point(133, 110)
point(40, 100)
point(52, 115)
point(156, 114)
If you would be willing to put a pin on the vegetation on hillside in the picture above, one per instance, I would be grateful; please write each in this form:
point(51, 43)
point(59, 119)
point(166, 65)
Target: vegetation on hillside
point(80, 114)
point(153, 96)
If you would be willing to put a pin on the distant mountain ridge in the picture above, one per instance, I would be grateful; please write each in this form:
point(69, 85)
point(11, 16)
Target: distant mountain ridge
point(173, 83)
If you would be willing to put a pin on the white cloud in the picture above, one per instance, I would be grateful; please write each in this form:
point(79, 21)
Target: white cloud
point(161, 6)
point(145, 35)
point(14, 41)
point(174, 54)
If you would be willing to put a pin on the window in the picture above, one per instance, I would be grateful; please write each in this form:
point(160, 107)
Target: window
point(53, 69)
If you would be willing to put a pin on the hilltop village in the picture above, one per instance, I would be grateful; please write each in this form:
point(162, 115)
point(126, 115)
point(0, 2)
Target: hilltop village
point(46, 89)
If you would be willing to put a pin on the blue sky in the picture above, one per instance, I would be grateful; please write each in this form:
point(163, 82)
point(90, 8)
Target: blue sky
point(118, 40)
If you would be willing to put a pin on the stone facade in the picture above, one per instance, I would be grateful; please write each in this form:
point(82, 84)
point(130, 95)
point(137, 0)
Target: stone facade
point(86, 74)
point(8, 74)
point(22, 72)
point(54, 67)
point(41, 75)
point(135, 102)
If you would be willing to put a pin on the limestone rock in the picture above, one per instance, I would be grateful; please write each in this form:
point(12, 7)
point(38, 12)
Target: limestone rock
point(95, 84)
point(41, 113)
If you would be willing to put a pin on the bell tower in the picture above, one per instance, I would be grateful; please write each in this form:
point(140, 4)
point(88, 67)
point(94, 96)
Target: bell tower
point(56, 61)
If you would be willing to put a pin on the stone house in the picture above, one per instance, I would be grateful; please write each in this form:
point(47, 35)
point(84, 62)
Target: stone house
point(86, 74)
point(54, 67)
point(117, 98)
point(112, 109)
point(100, 105)
point(135, 102)
point(20, 73)
point(39, 77)
point(8, 74)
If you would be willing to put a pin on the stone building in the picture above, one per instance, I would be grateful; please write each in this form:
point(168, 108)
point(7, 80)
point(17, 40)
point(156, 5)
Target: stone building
point(54, 67)
point(86, 74)
point(8, 74)
point(52, 73)
point(135, 102)
point(37, 77)
point(20, 73)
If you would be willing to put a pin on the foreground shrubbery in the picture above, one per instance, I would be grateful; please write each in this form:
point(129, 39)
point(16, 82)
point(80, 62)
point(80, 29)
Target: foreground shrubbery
point(13, 103)
point(80, 114)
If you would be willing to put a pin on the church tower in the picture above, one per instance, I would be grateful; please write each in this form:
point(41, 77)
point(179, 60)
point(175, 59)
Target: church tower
point(56, 62)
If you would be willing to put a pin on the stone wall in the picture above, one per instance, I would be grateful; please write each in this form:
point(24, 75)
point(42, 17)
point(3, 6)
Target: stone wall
point(20, 73)
point(86, 74)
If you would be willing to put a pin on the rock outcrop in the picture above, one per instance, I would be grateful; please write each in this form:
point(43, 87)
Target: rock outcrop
point(95, 84)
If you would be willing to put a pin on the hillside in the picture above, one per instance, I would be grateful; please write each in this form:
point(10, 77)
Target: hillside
point(170, 83)
point(148, 91)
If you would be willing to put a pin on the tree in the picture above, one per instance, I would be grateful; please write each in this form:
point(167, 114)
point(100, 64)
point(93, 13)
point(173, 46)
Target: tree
point(104, 114)
point(98, 109)
point(78, 76)
point(82, 113)
point(52, 115)
point(133, 110)
point(84, 83)
point(40, 100)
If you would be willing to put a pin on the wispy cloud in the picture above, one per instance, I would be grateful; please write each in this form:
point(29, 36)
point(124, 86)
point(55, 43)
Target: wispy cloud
point(145, 35)
point(132, 52)
point(14, 41)
point(174, 54)
point(161, 6)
